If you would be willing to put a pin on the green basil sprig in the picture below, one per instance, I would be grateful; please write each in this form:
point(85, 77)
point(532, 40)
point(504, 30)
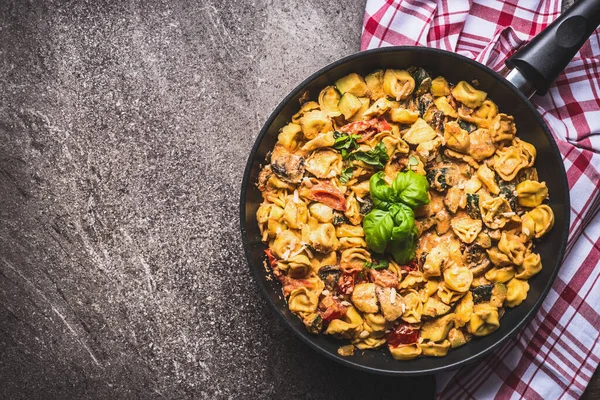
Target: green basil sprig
point(390, 226)
point(345, 143)
point(377, 157)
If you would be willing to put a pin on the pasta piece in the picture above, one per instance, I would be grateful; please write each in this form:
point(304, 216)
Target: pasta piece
point(413, 279)
point(321, 212)
point(428, 151)
point(440, 87)
point(456, 138)
point(405, 351)
point(323, 239)
point(419, 132)
point(348, 326)
point(298, 266)
point(481, 145)
point(380, 107)
point(432, 349)
point(500, 275)
point(513, 247)
point(464, 310)
point(328, 101)
point(284, 244)
point(448, 295)
point(295, 213)
point(457, 338)
point(290, 136)
point(455, 198)
point(315, 122)
point(303, 300)
point(398, 84)
point(531, 193)
point(497, 257)
point(503, 129)
point(434, 261)
point(537, 222)
point(532, 264)
point(413, 307)
point(444, 106)
point(324, 163)
point(517, 292)
point(434, 307)
point(354, 259)
point(306, 107)
point(495, 212)
point(287, 166)
point(403, 115)
point(468, 95)
point(369, 343)
point(487, 177)
point(375, 324)
point(466, 228)
point(485, 320)
point(321, 140)
point(437, 329)
point(458, 278)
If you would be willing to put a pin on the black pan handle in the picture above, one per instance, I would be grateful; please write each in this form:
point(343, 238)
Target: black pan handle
point(546, 55)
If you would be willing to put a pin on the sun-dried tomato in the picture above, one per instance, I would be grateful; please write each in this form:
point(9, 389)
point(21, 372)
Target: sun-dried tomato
point(346, 284)
point(329, 195)
point(402, 334)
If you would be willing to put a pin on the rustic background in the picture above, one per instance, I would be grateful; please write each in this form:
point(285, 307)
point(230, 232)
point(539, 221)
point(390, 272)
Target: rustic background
point(124, 132)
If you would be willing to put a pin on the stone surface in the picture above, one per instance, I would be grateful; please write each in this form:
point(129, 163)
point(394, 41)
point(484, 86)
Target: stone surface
point(124, 131)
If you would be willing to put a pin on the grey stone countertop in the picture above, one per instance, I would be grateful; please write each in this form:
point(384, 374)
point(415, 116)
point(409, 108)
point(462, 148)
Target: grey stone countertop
point(124, 132)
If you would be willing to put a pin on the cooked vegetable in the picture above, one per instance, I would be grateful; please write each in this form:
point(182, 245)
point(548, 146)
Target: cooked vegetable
point(374, 83)
point(353, 84)
point(349, 104)
point(376, 157)
point(422, 80)
point(345, 143)
point(346, 175)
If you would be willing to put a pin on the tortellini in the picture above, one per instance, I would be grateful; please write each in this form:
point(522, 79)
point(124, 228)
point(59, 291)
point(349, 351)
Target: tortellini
point(517, 292)
point(495, 212)
point(473, 250)
point(538, 221)
point(303, 300)
point(484, 320)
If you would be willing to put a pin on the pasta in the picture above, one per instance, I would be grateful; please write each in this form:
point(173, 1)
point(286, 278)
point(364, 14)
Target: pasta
point(455, 256)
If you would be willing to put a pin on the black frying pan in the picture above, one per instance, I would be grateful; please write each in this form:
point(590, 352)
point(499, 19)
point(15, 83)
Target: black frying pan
point(534, 68)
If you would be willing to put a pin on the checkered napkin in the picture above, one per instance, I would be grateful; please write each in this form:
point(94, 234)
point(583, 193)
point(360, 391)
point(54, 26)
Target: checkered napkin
point(557, 353)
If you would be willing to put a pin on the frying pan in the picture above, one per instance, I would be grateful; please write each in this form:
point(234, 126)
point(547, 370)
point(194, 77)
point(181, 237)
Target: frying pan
point(533, 68)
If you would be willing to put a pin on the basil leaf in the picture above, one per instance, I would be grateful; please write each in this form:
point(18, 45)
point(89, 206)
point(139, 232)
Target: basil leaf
point(376, 157)
point(404, 221)
point(403, 250)
point(411, 189)
point(378, 225)
point(377, 265)
point(382, 194)
point(345, 143)
point(346, 175)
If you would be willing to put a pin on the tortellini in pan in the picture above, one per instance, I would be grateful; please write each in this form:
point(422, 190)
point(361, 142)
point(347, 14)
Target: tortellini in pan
point(474, 241)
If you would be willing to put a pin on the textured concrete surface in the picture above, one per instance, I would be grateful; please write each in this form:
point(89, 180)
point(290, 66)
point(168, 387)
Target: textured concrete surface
point(124, 131)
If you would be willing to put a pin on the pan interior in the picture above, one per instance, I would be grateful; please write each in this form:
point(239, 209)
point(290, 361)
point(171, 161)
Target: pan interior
point(530, 128)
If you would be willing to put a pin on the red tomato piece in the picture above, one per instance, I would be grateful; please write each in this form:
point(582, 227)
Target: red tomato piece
point(329, 195)
point(346, 284)
point(402, 334)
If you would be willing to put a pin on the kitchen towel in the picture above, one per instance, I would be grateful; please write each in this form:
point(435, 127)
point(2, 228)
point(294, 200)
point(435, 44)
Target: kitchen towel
point(556, 354)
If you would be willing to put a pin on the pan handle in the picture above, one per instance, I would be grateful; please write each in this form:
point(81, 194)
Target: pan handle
point(537, 64)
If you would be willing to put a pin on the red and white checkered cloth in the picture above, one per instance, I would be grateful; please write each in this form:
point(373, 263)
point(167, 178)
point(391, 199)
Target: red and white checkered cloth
point(557, 353)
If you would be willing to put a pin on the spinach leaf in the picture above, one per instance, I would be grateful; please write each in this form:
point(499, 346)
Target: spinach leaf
point(377, 157)
point(346, 175)
point(378, 225)
point(411, 188)
point(377, 264)
point(345, 143)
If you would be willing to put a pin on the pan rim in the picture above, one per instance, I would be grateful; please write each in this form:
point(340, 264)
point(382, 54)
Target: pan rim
point(255, 271)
